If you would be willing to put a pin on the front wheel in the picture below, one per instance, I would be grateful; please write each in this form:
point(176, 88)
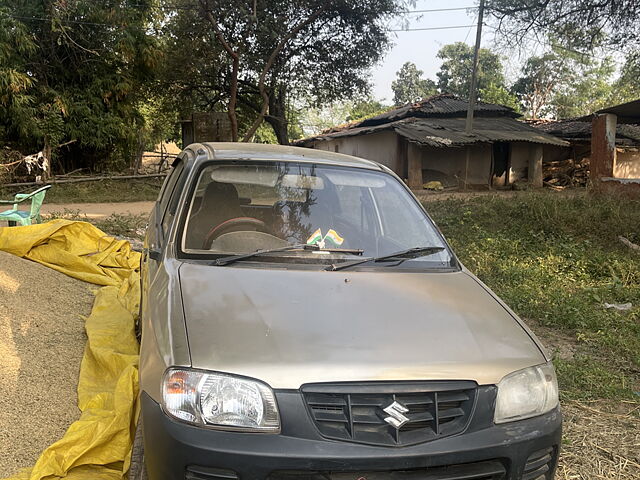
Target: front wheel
point(137, 470)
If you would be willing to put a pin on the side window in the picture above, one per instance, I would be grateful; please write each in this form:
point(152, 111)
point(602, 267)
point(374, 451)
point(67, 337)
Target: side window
point(169, 197)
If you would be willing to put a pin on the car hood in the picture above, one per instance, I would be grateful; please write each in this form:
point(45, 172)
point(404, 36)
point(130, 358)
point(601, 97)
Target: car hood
point(291, 327)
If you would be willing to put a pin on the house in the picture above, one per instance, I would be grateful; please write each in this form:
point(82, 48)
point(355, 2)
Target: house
point(577, 131)
point(426, 141)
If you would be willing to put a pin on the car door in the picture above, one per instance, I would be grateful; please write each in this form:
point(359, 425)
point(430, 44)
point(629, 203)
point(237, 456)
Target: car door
point(161, 220)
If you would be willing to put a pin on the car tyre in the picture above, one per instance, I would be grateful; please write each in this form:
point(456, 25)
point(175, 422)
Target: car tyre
point(138, 470)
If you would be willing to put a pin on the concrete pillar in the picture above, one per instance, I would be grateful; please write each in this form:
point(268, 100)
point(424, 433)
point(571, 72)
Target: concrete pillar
point(603, 145)
point(534, 173)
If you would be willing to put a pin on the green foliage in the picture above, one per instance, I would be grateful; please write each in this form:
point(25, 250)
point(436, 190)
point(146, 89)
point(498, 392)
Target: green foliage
point(74, 71)
point(119, 224)
point(556, 260)
point(590, 88)
point(123, 225)
point(627, 86)
point(366, 108)
point(580, 24)
point(563, 83)
point(16, 102)
point(541, 76)
point(313, 120)
point(457, 67)
point(312, 65)
point(409, 86)
point(499, 94)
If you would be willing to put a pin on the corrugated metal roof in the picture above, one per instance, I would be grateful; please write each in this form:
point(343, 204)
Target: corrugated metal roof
point(442, 105)
point(447, 132)
point(579, 129)
point(627, 112)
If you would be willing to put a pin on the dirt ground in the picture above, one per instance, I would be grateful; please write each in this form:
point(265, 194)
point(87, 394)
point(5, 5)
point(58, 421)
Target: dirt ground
point(41, 347)
point(601, 440)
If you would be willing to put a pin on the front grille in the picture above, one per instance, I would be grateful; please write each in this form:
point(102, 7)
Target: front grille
point(539, 465)
point(356, 412)
point(489, 470)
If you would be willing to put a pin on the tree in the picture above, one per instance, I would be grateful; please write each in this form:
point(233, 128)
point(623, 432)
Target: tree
point(564, 84)
point(627, 87)
point(457, 66)
point(16, 103)
point(582, 24)
point(409, 86)
point(279, 51)
point(365, 108)
point(540, 80)
point(74, 71)
point(589, 90)
point(314, 120)
point(499, 94)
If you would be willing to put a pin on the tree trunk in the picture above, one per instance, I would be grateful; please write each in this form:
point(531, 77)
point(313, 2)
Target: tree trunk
point(277, 117)
point(269, 64)
point(47, 152)
point(235, 67)
point(137, 161)
point(233, 96)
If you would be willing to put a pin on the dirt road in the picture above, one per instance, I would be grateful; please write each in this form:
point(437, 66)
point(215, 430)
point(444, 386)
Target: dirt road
point(98, 210)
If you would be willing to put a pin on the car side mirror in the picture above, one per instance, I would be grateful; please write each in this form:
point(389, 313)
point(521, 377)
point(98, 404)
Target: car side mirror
point(154, 254)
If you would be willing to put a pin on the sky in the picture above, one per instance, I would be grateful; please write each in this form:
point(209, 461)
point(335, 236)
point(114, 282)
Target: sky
point(421, 47)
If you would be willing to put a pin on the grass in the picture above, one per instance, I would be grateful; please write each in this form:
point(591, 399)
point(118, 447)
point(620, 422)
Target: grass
point(121, 225)
point(556, 259)
point(96, 192)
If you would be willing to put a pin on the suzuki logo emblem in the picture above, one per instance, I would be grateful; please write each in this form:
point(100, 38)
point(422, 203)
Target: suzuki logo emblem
point(396, 413)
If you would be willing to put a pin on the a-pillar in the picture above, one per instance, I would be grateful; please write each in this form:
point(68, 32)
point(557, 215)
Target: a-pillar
point(603, 145)
point(534, 174)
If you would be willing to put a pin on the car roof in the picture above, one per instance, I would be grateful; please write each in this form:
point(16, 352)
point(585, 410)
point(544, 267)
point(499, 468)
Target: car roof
point(281, 153)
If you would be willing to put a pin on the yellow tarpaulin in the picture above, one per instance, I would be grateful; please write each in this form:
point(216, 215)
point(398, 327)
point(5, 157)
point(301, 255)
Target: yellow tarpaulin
point(98, 445)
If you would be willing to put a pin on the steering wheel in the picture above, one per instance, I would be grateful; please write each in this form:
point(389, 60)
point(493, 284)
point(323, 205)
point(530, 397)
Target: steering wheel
point(231, 224)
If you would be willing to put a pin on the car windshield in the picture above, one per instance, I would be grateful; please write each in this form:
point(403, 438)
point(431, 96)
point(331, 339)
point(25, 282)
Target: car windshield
point(345, 213)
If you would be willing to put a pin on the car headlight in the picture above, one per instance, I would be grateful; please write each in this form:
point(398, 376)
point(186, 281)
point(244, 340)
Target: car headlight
point(219, 400)
point(527, 393)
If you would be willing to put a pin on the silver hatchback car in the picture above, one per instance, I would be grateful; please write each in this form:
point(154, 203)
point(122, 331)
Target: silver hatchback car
point(303, 318)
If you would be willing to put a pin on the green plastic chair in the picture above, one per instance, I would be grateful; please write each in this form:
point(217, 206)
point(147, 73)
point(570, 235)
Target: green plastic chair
point(24, 217)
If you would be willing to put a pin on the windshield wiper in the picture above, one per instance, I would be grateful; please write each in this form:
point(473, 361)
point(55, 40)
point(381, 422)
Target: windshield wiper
point(300, 246)
point(402, 255)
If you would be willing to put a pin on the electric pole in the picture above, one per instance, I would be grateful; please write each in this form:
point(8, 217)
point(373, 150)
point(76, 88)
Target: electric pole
point(474, 74)
point(472, 92)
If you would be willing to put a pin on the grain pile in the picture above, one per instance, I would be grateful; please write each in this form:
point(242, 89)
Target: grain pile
point(42, 340)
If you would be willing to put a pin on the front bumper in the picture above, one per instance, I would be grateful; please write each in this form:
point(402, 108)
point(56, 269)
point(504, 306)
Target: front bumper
point(525, 449)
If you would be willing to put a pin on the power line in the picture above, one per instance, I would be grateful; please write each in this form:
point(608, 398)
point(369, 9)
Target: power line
point(428, 28)
point(472, 7)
